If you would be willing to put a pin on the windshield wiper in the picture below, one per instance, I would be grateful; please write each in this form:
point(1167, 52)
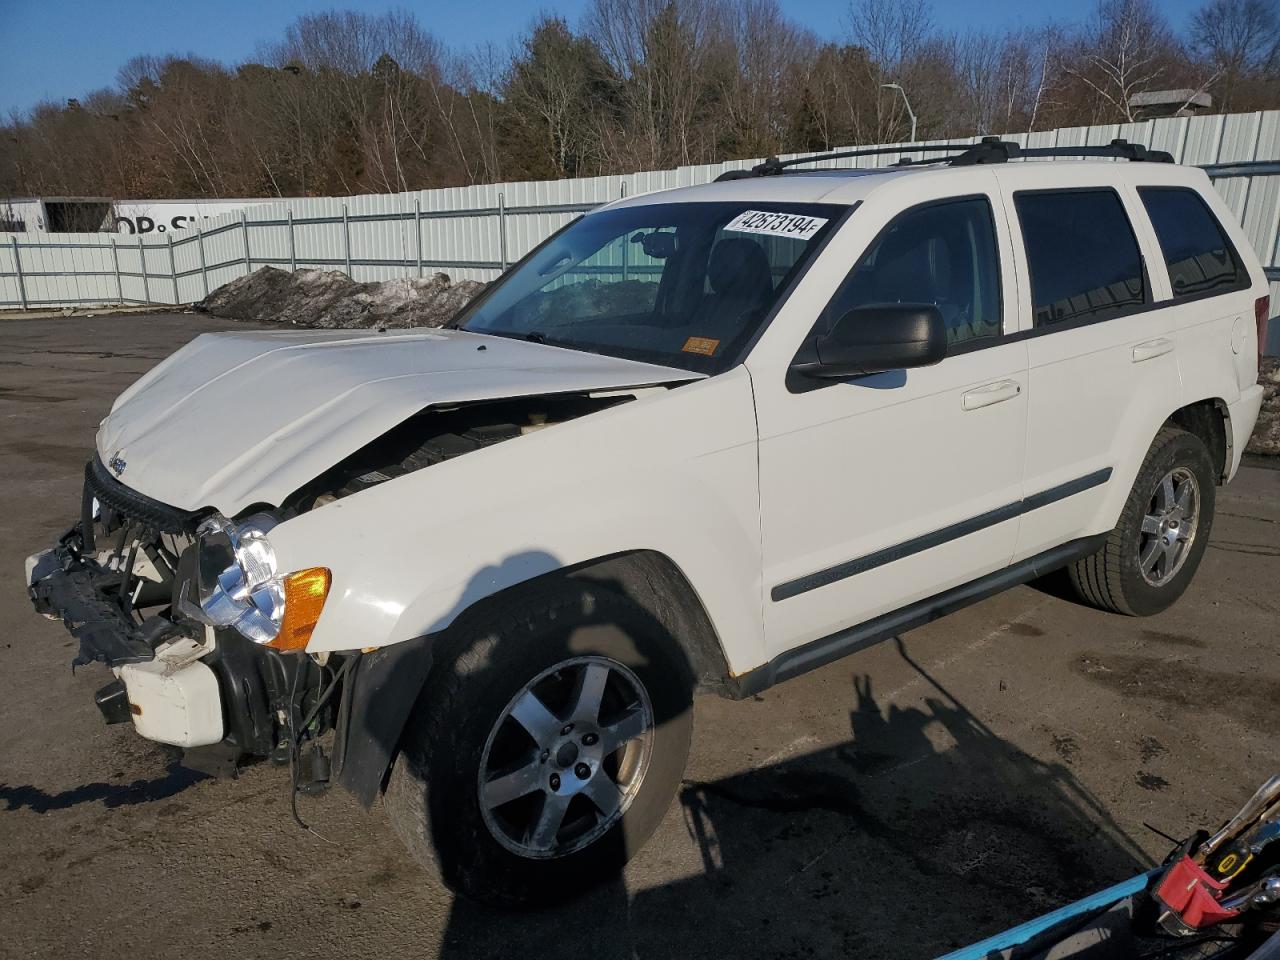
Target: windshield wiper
point(532, 336)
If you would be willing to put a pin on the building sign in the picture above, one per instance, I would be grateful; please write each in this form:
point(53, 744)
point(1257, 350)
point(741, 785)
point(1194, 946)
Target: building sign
point(163, 216)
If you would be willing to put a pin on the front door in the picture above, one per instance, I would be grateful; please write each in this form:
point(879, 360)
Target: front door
point(886, 489)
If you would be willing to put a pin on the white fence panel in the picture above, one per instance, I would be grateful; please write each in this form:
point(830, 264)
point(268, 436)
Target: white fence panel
point(475, 232)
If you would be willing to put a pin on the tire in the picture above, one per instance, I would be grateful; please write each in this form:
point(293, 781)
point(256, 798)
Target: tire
point(1124, 575)
point(444, 798)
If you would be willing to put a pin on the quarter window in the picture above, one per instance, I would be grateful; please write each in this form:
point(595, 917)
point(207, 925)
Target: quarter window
point(943, 254)
point(1082, 255)
point(1196, 251)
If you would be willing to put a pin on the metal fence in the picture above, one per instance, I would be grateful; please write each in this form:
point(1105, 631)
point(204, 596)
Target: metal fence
point(475, 232)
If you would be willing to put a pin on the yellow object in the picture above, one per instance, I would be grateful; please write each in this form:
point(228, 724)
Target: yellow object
point(304, 596)
point(703, 345)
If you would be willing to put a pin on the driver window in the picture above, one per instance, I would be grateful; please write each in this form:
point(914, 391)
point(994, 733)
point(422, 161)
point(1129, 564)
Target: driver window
point(943, 254)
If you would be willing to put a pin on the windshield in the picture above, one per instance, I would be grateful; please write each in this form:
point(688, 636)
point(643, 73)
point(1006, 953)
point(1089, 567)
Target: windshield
point(681, 284)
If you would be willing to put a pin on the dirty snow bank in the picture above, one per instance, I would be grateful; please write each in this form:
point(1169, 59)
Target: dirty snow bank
point(329, 298)
point(1266, 435)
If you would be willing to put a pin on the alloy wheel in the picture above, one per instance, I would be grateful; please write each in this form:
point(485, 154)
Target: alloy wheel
point(1169, 526)
point(566, 758)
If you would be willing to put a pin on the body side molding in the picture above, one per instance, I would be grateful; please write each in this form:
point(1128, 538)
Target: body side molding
point(851, 568)
point(825, 650)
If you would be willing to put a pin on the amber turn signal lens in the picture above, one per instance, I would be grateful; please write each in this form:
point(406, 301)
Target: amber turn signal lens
point(304, 596)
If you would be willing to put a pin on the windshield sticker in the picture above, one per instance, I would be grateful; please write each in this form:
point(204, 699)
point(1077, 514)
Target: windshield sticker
point(776, 224)
point(703, 345)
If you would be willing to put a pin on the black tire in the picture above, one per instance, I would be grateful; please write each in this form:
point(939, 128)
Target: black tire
point(433, 794)
point(1112, 578)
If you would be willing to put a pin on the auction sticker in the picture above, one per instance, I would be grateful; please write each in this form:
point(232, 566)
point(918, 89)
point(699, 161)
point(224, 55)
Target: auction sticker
point(774, 224)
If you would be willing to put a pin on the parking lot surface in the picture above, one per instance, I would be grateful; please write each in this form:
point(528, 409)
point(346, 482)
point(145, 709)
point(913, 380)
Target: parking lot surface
point(904, 801)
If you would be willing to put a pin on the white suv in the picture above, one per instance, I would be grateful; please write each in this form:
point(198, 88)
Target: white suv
point(706, 439)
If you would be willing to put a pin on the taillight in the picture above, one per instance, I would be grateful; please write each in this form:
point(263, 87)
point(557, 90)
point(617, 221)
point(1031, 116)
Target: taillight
point(1261, 314)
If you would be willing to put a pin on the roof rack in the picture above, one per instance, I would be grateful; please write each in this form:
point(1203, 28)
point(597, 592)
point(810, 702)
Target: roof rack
point(986, 150)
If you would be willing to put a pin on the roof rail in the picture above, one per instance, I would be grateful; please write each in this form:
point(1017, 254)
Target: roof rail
point(1119, 149)
point(986, 150)
point(773, 166)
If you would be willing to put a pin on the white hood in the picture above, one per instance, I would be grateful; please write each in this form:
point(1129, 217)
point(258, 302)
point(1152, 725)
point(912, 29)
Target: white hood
point(235, 419)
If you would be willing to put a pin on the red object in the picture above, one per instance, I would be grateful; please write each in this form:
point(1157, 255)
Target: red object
point(1191, 894)
point(1261, 316)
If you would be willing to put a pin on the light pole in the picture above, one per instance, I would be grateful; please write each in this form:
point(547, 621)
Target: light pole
point(910, 112)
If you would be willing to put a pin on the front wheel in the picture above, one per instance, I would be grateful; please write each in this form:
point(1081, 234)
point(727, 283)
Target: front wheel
point(545, 748)
point(1148, 560)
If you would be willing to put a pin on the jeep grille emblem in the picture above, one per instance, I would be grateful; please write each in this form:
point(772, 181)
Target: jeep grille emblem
point(116, 464)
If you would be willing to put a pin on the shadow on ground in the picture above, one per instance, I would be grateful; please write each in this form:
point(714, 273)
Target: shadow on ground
point(176, 779)
point(923, 827)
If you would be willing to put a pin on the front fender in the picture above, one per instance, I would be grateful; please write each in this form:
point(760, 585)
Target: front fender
point(673, 471)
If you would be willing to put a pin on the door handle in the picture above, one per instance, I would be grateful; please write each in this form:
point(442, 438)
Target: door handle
point(1151, 349)
point(990, 393)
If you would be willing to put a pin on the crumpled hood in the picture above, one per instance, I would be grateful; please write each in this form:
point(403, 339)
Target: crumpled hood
point(235, 419)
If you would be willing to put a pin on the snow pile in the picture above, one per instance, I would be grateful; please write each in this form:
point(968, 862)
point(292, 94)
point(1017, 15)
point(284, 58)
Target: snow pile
point(329, 298)
point(1266, 435)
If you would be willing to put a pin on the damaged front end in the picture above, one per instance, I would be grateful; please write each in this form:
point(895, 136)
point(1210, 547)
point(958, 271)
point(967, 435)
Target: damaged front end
point(110, 569)
point(130, 581)
point(207, 637)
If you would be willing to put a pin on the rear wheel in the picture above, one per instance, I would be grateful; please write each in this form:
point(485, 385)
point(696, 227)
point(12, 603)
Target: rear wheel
point(1148, 560)
point(545, 748)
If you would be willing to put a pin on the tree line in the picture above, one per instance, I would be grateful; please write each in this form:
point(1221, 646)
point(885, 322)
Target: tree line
point(349, 102)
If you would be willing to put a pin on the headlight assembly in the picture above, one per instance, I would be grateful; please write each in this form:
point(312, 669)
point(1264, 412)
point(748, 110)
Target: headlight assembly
point(249, 593)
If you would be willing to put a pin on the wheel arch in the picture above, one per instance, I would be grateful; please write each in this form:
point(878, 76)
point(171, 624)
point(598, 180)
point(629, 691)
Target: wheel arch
point(653, 582)
point(1209, 420)
point(377, 701)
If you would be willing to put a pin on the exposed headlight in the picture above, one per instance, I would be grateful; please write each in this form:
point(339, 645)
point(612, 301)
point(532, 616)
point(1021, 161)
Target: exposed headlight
point(248, 593)
point(241, 585)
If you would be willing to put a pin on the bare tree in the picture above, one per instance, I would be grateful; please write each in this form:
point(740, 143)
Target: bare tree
point(1241, 41)
point(348, 102)
point(666, 55)
point(1128, 50)
point(768, 51)
point(898, 37)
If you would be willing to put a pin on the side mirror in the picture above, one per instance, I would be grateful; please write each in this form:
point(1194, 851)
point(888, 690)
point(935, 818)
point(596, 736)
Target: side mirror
point(874, 339)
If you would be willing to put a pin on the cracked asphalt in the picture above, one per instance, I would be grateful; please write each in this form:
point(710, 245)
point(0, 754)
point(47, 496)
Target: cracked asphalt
point(907, 800)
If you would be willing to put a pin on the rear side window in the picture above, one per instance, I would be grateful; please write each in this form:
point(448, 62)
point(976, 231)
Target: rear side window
point(1196, 251)
point(1083, 257)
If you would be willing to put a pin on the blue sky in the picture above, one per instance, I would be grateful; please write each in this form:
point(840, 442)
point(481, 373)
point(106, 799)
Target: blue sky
point(55, 49)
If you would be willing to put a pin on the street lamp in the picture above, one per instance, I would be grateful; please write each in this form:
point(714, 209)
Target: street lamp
point(910, 112)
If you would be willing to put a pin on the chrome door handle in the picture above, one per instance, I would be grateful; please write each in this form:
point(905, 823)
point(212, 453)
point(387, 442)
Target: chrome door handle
point(1151, 349)
point(990, 393)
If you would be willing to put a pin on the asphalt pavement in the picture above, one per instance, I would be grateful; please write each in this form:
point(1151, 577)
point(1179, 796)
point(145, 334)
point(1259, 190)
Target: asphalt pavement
point(904, 801)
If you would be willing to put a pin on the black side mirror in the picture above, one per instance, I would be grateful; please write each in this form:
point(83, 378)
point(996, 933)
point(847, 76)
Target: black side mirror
point(874, 339)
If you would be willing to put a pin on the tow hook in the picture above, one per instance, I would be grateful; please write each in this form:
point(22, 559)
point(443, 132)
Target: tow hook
point(113, 701)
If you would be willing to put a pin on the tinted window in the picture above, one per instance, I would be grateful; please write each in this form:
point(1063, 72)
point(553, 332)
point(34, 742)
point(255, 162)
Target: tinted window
point(1082, 254)
point(1196, 251)
point(944, 254)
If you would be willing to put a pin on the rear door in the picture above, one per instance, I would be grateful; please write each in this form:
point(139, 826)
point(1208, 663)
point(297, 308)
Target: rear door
point(1103, 370)
point(1210, 296)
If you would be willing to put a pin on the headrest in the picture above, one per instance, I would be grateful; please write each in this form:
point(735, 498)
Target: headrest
point(739, 268)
